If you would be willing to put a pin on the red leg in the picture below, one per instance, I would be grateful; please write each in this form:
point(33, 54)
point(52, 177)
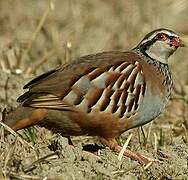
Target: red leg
point(112, 144)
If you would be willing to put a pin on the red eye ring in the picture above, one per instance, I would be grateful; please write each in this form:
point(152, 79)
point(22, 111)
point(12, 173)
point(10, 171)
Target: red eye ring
point(162, 36)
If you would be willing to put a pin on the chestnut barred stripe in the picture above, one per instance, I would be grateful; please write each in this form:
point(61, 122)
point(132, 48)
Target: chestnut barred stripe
point(115, 99)
point(117, 89)
point(74, 79)
point(96, 73)
point(137, 96)
point(106, 101)
point(116, 96)
point(100, 81)
point(105, 104)
point(93, 96)
point(130, 106)
point(123, 110)
point(123, 66)
point(120, 81)
point(117, 65)
point(143, 88)
point(112, 79)
point(123, 97)
point(127, 71)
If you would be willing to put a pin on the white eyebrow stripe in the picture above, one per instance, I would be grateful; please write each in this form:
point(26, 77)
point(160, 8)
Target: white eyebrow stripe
point(162, 31)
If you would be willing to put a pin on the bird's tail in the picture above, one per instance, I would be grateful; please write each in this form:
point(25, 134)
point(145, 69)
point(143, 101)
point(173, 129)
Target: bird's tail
point(23, 117)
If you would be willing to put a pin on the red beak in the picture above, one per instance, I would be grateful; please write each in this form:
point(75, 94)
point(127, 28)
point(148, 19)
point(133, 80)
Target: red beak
point(177, 42)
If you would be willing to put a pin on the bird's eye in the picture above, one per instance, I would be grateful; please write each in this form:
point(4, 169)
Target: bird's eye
point(161, 36)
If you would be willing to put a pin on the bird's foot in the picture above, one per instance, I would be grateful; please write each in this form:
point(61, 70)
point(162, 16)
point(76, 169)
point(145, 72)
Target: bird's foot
point(112, 144)
point(135, 156)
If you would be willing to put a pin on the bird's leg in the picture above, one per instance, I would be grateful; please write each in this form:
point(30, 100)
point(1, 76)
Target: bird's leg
point(70, 141)
point(112, 144)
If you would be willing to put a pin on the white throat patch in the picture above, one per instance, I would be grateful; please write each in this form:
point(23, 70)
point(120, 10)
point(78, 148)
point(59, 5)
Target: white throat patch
point(160, 51)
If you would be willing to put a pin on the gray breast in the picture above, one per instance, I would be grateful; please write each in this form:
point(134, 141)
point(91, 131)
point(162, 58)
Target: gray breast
point(151, 107)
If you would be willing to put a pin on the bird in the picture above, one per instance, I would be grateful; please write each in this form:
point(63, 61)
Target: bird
point(102, 94)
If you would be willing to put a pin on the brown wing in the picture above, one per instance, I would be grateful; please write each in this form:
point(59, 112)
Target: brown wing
point(110, 82)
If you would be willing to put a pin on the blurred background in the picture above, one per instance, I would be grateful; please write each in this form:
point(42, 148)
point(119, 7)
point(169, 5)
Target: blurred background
point(85, 27)
point(38, 35)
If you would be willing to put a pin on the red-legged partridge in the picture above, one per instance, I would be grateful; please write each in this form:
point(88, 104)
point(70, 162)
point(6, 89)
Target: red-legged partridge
point(102, 94)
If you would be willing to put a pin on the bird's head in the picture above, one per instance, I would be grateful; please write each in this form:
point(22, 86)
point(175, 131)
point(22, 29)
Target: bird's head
point(160, 44)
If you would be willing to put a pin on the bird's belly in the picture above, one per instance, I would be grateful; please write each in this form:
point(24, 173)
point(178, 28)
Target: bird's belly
point(78, 123)
point(60, 122)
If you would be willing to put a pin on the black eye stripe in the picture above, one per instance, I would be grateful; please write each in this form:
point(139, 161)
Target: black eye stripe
point(147, 44)
point(170, 37)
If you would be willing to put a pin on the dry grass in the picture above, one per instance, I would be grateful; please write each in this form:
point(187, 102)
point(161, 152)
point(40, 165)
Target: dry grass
point(39, 35)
